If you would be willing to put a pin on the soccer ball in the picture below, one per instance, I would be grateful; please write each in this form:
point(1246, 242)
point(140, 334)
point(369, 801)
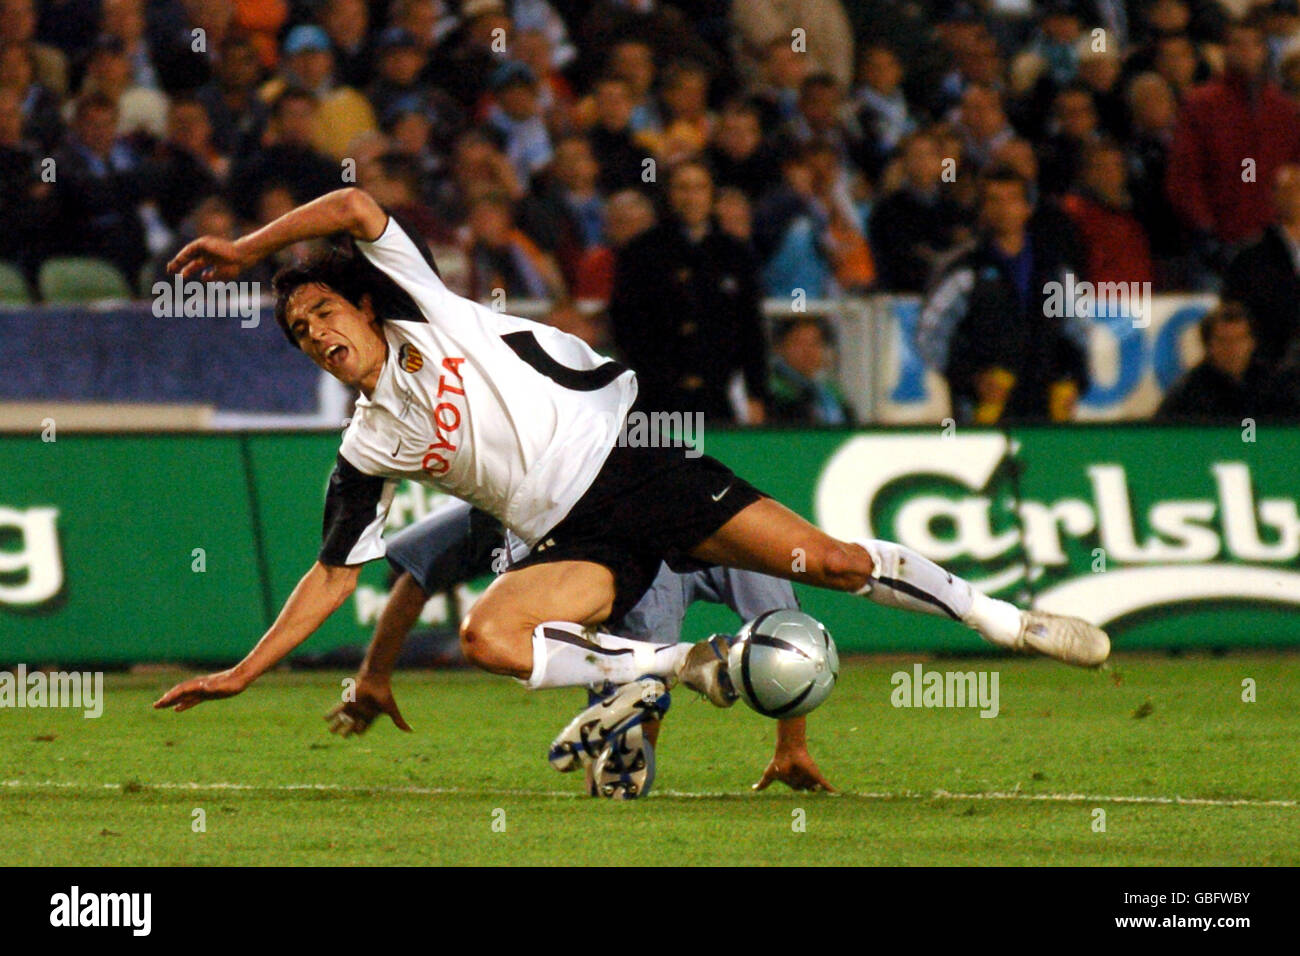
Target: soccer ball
point(783, 663)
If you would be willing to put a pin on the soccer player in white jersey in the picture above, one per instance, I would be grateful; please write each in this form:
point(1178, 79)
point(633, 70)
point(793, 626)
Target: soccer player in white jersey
point(523, 421)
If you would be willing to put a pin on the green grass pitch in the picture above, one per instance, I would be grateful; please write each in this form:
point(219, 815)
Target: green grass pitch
point(1185, 771)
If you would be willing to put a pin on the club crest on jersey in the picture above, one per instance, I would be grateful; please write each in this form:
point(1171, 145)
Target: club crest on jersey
point(409, 357)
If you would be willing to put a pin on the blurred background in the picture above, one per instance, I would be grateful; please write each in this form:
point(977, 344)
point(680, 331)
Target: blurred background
point(811, 214)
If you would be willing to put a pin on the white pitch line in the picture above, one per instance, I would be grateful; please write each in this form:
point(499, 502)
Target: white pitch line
point(564, 794)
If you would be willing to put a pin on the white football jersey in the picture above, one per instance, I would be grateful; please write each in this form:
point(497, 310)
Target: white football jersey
point(513, 416)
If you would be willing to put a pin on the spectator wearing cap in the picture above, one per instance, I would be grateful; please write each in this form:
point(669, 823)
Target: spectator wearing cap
point(287, 155)
point(516, 115)
point(261, 21)
point(1265, 276)
point(238, 115)
point(1115, 241)
point(1231, 383)
point(42, 122)
point(986, 325)
point(342, 113)
point(685, 309)
point(916, 224)
point(1240, 116)
point(802, 392)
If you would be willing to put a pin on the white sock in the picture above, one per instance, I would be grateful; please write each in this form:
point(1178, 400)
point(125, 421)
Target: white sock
point(568, 655)
point(903, 579)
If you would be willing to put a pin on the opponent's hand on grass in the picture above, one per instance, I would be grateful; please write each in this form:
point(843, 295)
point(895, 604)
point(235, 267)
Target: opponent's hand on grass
point(356, 716)
point(210, 258)
point(796, 769)
point(195, 691)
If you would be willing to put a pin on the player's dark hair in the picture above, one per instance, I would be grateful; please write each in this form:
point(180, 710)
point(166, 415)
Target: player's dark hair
point(343, 269)
point(340, 268)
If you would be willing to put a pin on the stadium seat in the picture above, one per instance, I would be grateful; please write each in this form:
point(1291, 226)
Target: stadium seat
point(76, 279)
point(13, 287)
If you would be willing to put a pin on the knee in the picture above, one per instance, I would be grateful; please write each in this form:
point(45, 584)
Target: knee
point(494, 644)
point(845, 567)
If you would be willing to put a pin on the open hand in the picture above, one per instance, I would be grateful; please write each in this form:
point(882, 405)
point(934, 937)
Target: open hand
point(195, 691)
point(209, 258)
point(796, 769)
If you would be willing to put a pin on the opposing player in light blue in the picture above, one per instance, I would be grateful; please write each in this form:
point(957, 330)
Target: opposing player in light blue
point(457, 543)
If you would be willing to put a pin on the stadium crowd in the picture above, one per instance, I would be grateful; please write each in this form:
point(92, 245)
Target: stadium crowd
point(681, 160)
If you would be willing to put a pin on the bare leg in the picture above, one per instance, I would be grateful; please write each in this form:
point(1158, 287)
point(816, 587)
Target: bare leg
point(770, 538)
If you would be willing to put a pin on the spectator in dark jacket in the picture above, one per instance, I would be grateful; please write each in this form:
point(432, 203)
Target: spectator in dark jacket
point(1230, 384)
point(685, 309)
point(1233, 134)
point(287, 157)
point(992, 323)
point(915, 224)
point(1265, 276)
point(98, 188)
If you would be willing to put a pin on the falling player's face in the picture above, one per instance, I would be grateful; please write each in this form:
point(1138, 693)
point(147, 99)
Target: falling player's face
point(342, 338)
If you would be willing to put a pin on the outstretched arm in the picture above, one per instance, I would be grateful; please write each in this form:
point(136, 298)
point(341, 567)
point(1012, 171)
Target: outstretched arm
point(350, 210)
point(319, 594)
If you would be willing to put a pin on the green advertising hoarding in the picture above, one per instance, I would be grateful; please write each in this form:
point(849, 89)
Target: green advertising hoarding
point(183, 547)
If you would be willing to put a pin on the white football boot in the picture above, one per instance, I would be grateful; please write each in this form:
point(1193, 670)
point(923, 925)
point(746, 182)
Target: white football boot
point(1070, 640)
point(705, 671)
point(591, 731)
